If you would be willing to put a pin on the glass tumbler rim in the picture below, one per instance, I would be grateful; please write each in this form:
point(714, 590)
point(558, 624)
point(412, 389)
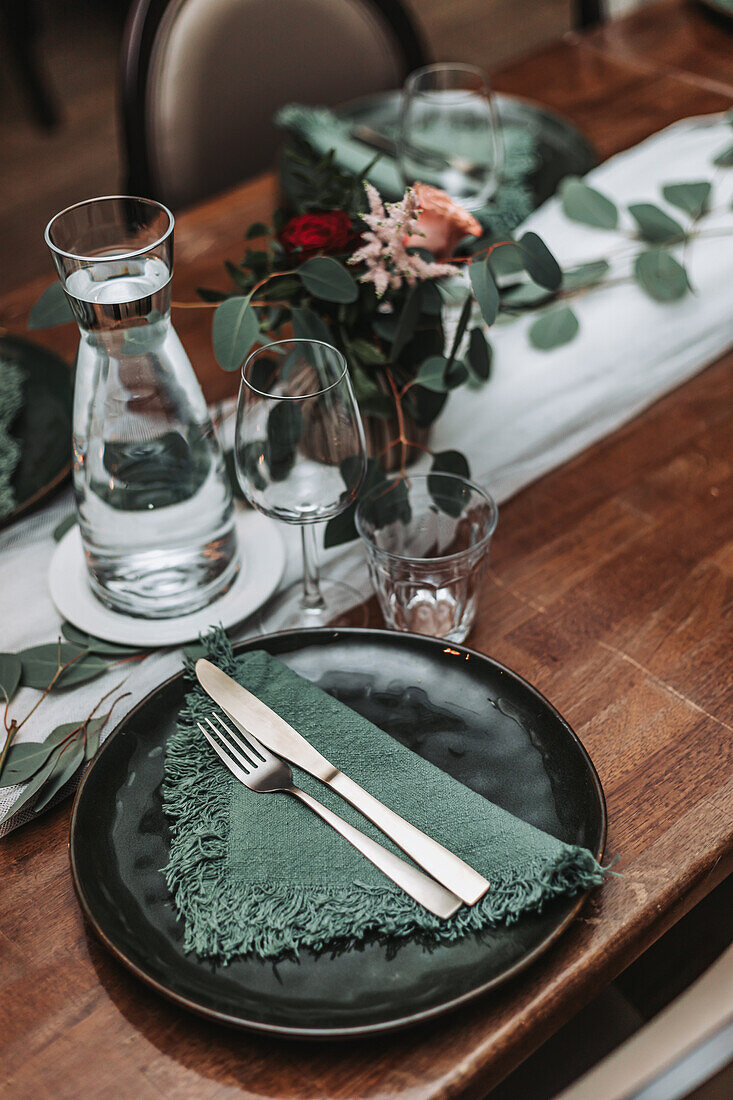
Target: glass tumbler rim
point(440, 558)
point(445, 66)
point(294, 396)
point(123, 254)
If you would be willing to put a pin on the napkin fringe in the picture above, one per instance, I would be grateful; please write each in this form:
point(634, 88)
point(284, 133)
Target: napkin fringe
point(225, 919)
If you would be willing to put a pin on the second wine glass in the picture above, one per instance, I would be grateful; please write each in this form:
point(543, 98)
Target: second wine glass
point(300, 456)
point(449, 133)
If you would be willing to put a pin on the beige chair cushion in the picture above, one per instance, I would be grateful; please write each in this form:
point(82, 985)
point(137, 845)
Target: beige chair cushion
point(221, 68)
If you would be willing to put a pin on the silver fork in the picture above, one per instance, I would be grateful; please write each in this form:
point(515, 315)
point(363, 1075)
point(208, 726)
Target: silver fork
point(252, 764)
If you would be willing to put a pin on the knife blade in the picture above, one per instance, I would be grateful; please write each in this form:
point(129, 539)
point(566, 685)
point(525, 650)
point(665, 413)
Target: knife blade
point(254, 716)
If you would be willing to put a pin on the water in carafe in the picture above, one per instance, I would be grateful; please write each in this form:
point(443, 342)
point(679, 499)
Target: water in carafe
point(154, 502)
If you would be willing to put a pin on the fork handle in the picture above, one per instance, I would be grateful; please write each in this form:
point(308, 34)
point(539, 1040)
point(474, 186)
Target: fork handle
point(419, 886)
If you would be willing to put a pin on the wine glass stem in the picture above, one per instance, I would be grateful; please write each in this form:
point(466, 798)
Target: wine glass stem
point(312, 596)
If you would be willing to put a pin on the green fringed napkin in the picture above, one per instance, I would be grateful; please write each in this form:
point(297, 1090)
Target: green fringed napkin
point(11, 402)
point(261, 874)
point(323, 131)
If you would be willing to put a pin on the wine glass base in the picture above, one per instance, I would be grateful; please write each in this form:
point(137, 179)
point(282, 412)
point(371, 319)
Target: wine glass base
point(342, 606)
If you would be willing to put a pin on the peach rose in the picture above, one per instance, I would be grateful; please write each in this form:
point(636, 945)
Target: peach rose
point(442, 222)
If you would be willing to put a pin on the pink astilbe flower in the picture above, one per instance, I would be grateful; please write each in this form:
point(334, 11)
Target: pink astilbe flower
point(383, 252)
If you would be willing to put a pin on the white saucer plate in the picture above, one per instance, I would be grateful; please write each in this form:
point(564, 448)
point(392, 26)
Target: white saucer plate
point(262, 554)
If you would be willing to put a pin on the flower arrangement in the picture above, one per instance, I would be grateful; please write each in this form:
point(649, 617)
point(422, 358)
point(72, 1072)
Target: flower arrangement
point(371, 278)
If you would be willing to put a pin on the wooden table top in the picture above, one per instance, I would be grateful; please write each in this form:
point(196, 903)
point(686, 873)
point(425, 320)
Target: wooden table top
point(611, 589)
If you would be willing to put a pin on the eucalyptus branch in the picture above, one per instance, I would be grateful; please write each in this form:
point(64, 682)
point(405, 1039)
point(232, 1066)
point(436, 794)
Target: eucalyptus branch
point(56, 676)
point(12, 729)
point(402, 439)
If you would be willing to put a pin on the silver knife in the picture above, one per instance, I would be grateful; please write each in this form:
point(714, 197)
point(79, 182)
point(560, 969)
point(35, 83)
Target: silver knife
point(254, 716)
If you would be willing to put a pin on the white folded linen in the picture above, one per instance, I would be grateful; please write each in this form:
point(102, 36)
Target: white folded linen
point(539, 409)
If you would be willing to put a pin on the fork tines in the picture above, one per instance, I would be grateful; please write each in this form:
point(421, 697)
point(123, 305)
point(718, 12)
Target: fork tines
point(244, 747)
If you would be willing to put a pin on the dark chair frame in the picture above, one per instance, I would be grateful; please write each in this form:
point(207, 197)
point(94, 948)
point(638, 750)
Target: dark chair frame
point(141, 30)
point(588, 13)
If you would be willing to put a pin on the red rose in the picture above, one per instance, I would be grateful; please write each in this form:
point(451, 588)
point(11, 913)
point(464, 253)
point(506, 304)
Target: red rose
point(313, 233)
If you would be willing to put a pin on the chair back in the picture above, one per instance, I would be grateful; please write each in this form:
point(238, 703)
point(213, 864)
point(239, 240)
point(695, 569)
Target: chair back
point(202, 80)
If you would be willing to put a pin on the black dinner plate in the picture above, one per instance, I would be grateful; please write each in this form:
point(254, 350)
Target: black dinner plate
point(43, 425)
point(466, 713)
point(561, 148)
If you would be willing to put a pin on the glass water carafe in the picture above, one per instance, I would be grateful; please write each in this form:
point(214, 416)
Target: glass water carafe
point(154, 502)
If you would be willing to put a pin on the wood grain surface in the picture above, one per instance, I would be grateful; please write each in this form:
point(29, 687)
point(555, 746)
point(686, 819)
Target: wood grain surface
point(611, 589)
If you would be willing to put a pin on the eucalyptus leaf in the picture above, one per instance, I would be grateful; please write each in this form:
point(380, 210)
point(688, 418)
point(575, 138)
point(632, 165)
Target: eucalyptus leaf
point(693, 198)
point(366, 351)
point(341, 528)
point(24, 759)
point(460, 328)
point(479, 355)
point(430, 300)
point(585, 275)
point(82, 671)
point(242, 279)
point(94, 730)
point(525, 295)
point(424, 405)
point(11, 670)
point(51, 309)
point(539, 263)
point(431, 374)
point(234, 331)
point(385, 325)
point(724, 158)
point(256, 229)
point(660, 275)
point(450, 462)
point(553, 329)
point(61, 528)
point(280, 285)
point(208, 294)
point(484, 289)
point(392, 505)
point(66, 765)
point(247, 460)
point(365, 386)
point(654, 225)
point(284, 432)
point(98, 645)
point(230, 468)
point(456, 374)
point(504, 262)
point(327, 279)
point(448, 495)
point(584, 204)
point(406, 324)
point(32, 788)
point(41, 662)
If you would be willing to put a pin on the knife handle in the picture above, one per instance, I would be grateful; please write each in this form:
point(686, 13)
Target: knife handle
point(423, 889)
point(447, 868)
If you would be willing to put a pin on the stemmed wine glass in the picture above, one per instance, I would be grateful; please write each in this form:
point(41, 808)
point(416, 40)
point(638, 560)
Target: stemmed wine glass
point(300, 456)
point(449, 133)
